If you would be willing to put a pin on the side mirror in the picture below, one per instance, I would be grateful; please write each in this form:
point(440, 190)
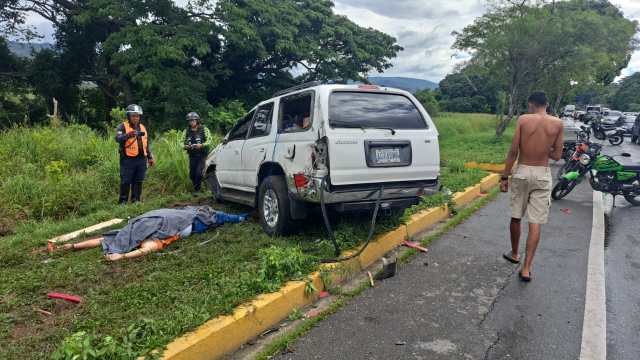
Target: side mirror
point(225, 140)
point(625, 155)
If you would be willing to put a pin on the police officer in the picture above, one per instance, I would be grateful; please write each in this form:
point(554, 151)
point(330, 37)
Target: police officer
point(135, 154)
point(197, 141)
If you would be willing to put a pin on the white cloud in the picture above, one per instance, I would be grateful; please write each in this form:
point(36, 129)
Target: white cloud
point(422, 27)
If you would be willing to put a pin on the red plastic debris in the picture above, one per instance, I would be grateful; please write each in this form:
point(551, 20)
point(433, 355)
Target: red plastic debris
point(566, 211)
point(67, 297)
point(414, 245)
point(323, 294)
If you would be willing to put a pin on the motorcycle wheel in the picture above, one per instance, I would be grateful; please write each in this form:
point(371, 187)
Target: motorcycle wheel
point(633, 199)
point(600, 135)
point(616, 140)
point(562, 189)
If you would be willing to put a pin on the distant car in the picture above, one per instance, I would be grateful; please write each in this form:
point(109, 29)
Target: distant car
point(635, 132)
point(612, 117)
point(594, 108)
point(628, 121)
point(591, 115)
point(579, 114)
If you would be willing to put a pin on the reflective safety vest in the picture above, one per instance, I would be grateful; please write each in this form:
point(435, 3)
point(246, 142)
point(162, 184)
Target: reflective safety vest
point(130, 146)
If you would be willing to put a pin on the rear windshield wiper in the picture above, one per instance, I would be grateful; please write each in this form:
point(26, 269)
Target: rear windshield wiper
point(344, 124)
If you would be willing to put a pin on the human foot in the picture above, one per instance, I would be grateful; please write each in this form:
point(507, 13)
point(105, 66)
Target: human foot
point(509, 257)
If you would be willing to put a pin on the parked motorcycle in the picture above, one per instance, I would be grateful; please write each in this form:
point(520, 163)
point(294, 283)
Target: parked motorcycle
point(600, 130)
point(605, 174)
point(616, 136)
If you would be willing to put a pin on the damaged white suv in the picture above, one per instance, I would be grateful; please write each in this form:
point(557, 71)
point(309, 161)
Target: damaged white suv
point(353, 140)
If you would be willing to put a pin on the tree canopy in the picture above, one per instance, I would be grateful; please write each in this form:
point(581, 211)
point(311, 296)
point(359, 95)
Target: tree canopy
point(552, 46)
point(173, 59)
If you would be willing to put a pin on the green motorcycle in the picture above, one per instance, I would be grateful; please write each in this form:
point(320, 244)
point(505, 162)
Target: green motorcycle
point(606, 175)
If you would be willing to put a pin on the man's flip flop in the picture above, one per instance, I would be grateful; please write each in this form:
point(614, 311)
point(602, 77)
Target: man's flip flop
point(525, 278)
point(508, 257)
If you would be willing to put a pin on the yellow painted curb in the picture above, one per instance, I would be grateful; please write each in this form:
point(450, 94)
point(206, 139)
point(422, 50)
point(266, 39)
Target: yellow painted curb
point(468, 195)
point(485, 166)
point(382, 245)
point(224, 334)
point(425, 219)
point(489, 182)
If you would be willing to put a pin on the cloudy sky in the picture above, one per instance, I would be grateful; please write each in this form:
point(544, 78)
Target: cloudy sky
point(423, 28)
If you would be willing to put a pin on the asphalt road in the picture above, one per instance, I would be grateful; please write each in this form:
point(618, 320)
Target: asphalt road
point(463, 301)
point(622, 259)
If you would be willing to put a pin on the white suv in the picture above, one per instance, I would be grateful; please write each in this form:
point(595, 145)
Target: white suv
point(351, 139)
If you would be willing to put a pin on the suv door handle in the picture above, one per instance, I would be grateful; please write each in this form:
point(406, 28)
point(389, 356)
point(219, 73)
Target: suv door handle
point(261, 150)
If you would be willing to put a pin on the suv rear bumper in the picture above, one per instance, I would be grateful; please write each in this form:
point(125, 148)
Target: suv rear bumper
point(395, 194)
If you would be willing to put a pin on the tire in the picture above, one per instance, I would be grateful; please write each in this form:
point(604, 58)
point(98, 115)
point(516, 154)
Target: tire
point(633, 199)
point(616, 140)
point(274, 207)
point(214, 186)
point(599, 134)
point(562, 189)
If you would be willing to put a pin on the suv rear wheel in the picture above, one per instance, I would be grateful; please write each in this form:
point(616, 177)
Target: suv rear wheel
point(274, 207)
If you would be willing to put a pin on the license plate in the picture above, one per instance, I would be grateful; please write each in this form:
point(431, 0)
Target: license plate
point(387, 156)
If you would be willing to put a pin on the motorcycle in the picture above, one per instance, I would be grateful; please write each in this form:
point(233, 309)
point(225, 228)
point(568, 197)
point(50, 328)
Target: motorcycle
point(600, 130)
point(605, 174)
point(616, 136)
point(569, 147)
point(574, 165)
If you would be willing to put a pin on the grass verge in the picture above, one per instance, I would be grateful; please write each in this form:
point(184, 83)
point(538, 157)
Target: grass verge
point(133, 307)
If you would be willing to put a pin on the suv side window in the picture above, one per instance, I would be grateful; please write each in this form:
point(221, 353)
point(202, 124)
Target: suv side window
point(296, 113)
point(239, 131)
point(262, 122)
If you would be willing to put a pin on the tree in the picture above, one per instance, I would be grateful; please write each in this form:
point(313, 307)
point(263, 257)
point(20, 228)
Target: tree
point(531, 44)
point(468, 90)
point(428, 100)
point(627, 96)
point(173, 59)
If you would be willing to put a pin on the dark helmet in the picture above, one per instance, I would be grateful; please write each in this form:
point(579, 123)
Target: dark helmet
point(193, 116)
point(134, 109)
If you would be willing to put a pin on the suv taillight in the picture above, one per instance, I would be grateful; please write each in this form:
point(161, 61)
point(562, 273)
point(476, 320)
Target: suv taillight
point(300, 180)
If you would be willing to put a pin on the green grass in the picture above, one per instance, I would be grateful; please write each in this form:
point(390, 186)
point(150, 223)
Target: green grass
point(471, 137)
point(132, 307)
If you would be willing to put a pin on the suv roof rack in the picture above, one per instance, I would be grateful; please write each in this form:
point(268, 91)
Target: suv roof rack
point(298, 87)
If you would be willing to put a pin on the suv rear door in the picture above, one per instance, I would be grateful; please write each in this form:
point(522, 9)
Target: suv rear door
point(229, 158)
point(380, 137)
point(258, 145)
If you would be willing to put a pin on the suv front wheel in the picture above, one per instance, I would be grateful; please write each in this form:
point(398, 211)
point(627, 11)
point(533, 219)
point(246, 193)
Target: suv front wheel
point(273, 206)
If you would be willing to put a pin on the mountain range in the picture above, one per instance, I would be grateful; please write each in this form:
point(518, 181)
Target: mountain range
point(22, 49)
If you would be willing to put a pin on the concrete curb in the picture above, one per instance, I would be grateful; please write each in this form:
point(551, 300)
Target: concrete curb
point(496, 168)
point(224, 334)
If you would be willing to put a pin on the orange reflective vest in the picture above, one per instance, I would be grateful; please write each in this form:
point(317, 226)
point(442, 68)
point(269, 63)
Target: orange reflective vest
point(131, 144)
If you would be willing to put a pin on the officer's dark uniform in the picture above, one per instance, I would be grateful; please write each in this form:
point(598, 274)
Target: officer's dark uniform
point(134, 154)
point(197, 157)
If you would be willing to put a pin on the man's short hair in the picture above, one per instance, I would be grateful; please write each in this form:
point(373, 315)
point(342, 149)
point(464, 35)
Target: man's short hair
point(538, 98)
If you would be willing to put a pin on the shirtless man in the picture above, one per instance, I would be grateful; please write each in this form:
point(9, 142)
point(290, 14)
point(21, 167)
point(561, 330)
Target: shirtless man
point(538, 138)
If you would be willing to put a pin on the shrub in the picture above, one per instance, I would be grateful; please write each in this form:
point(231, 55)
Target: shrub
point(72, 170)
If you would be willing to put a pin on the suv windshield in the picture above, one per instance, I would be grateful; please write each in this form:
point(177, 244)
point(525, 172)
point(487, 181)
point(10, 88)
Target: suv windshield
point(373, 110)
